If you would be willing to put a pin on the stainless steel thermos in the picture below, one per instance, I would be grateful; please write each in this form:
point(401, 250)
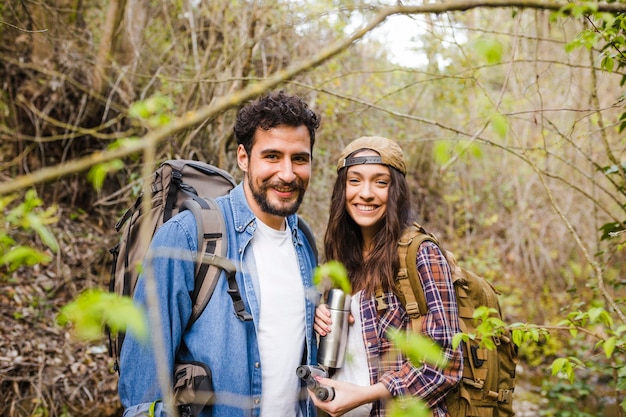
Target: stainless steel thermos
point(332, 347)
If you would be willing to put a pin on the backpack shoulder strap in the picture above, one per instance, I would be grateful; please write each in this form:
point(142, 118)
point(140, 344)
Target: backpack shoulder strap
point(212, 260)
point(409, 284)
point(306, 229)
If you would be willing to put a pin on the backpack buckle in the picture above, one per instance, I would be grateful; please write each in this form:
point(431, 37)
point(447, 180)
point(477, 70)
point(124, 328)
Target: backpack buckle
point(477, 383)
point(505, 396)
point(380, 303)
point(412, 309)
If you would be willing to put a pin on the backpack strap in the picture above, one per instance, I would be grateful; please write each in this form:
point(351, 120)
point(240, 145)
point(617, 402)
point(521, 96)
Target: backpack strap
point(408, 282)
point(212, 256)
point(308, 233)
point(170, 201)
point(211, 261)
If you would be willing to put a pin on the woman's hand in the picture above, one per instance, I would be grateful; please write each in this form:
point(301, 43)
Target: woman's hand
point(323, 322)
point(348, 396)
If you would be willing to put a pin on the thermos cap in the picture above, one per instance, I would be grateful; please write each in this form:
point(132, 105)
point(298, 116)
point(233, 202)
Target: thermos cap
point(338, 300)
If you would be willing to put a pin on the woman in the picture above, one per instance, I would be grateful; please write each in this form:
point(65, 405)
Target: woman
point(370, 208)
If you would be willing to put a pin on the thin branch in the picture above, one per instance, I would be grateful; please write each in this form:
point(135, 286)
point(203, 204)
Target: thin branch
point(579, 242)
point(251, 91)
point(2, 22)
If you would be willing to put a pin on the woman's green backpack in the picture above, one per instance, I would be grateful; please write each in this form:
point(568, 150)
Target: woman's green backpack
point(486, 389)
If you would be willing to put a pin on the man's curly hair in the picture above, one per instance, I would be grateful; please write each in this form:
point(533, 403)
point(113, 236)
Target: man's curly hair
point(272, 110)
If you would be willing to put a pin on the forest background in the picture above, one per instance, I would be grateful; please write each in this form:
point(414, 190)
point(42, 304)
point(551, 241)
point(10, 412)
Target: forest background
point(510, 113)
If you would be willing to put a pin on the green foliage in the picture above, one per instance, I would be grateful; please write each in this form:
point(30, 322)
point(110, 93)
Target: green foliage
point(336, 273)
point(583, 385)
point(94, 309)
point(584, 325)
point(155, 111)
point(536, 344)
point(152, 409)
point(564, 399)
point(26, 216)
point(418, 348)
point(98, 173)
point(41, 411)
point(409, 407)
point(622, 126)
point(598, 316)
point(489, 327)
point(500, 125)
point(488, 49)
point(578, 10)
point(585, 39)
point(566, 366)
point(443, 151)
point(616, 169)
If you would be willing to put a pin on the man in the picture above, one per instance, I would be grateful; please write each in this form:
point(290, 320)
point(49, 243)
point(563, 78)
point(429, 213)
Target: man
point(252, 362)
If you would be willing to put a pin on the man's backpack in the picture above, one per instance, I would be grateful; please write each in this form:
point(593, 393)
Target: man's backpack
point(174, 182)
point(486, 388)
point(181, 185)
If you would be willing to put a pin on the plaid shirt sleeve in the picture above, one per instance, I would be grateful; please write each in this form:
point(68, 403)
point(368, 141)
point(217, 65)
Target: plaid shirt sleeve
point(441, 323)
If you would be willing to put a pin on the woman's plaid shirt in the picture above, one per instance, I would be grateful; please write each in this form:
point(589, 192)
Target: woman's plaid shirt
point(441, 323)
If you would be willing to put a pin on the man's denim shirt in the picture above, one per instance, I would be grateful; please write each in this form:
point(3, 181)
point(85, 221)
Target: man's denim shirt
point(218, 338)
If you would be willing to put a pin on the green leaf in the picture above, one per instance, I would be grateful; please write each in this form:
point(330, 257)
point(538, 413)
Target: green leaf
point(121, 143)
point(94, 309)
point(517, 337)
point(609, 346)
point(96, 176)
point(154, 110)
point(500, 124)
point(46, 236)
point(152, 408)
point(465, 147)
point(336, 273)
point(489, 49)
point(98, 173)
point(557, 365)
point(534, 334)
point(488, 343)
point(607, 63)
point(23, 255)
point(418, 348)
point(458, 338)
point(441, 152)
point(409, 406)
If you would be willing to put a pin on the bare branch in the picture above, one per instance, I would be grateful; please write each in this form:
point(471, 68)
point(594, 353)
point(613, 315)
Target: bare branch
point(2, 22)
point(227, 102)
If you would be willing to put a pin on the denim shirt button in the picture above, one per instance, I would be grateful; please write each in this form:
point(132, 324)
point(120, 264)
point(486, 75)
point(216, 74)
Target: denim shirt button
point(257, 365)
point(257, 400)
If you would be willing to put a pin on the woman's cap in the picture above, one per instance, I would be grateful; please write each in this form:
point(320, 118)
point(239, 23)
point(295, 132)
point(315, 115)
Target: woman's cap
point(390, 153)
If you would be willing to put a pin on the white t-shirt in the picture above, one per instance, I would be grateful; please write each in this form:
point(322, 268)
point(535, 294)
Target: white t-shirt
point(355, 369)
point(281, 328)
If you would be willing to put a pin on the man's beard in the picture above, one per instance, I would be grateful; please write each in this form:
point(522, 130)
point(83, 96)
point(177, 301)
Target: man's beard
point(260, 196)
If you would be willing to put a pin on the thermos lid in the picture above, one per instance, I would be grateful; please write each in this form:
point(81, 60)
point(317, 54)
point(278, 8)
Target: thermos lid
point(338, 300)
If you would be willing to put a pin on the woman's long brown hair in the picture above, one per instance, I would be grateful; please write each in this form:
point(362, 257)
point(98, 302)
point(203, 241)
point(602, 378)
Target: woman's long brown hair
point(343, 240)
